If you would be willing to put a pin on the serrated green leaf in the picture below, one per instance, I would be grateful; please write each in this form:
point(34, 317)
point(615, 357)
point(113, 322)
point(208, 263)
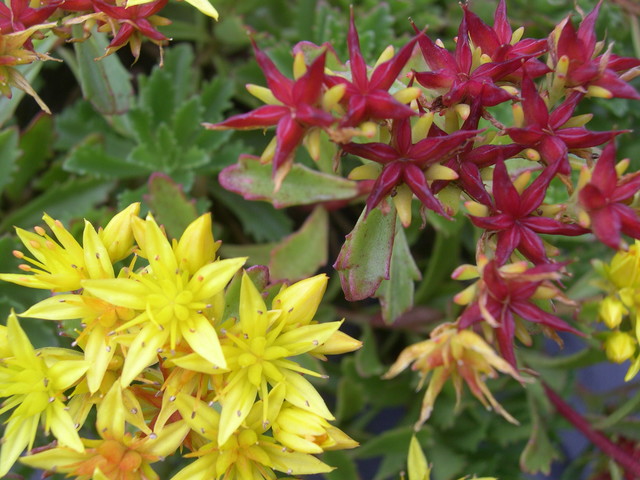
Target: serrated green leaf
point(90, 158)
point(105, 83)
point(178, 63)
point(157, 97)
point(170, 205)
point(365, 257)
point(36, 144)
point(141, 126)
point(303, 252)
point(69, 200)
point(9, 154)
point(396, 294)
point(302, 186)
point(216, 98)
point(186, 122)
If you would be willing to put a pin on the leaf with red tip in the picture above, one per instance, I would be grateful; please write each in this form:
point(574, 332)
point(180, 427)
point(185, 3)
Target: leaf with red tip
point(562, 113)
point(436, 57)
point(535, 314)
point(570, 45)
point(508, 241)
point(618, 87)
point(604, 174)
point(580, 137)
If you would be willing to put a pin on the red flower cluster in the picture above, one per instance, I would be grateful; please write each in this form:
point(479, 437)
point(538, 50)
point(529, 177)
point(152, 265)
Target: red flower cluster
point(436, 133)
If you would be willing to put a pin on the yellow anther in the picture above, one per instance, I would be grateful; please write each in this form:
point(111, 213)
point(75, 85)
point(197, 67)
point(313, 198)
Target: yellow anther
point(263, 94)
point(387, 54)
point(299, 67)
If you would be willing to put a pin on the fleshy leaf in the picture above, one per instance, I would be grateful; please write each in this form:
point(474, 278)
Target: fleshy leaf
point(365, 258)
point(302, 186)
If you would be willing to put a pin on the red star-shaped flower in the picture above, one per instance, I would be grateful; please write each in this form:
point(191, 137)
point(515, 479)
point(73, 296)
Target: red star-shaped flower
point(544, 130)
point(504, 294)
point(605, 198)
point(133, 23)
point(500, 44)
point(470, 159)
point(369, 98)
point(513, 220)
point(21, 16)
point(454, 73)
point(405, 162)
point(295, 111)
point(585, 71)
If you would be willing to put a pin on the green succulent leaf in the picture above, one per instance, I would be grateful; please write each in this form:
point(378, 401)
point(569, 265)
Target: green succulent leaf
point(365, 258)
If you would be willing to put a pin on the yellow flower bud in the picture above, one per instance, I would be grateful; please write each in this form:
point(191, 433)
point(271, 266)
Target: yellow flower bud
point(117, 236)
point(620, 346)
point(611, 312)
point(196, 246)
point(338, 343)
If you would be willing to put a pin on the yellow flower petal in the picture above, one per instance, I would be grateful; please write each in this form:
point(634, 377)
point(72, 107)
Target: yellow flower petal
point(122, 292)
point(304, 395)
point(143, 352)
point(19, 434)
point(62, 426)
point(203, 339)
point(299, 302)
point(110, 420)
point(236, 405)
point(96, 257)
point(212, 278)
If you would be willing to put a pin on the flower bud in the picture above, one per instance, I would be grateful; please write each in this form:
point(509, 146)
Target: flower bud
point(611, 312)
point(338, 343)
point(196, 246)
point(117, 236)
point(620, 346)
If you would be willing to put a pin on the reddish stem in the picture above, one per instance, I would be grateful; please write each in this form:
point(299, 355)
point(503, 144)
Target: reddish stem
point(626, 461)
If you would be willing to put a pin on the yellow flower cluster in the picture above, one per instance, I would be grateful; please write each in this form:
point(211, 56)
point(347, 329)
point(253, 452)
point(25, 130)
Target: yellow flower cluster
point(179, 350)
point(619, 310)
